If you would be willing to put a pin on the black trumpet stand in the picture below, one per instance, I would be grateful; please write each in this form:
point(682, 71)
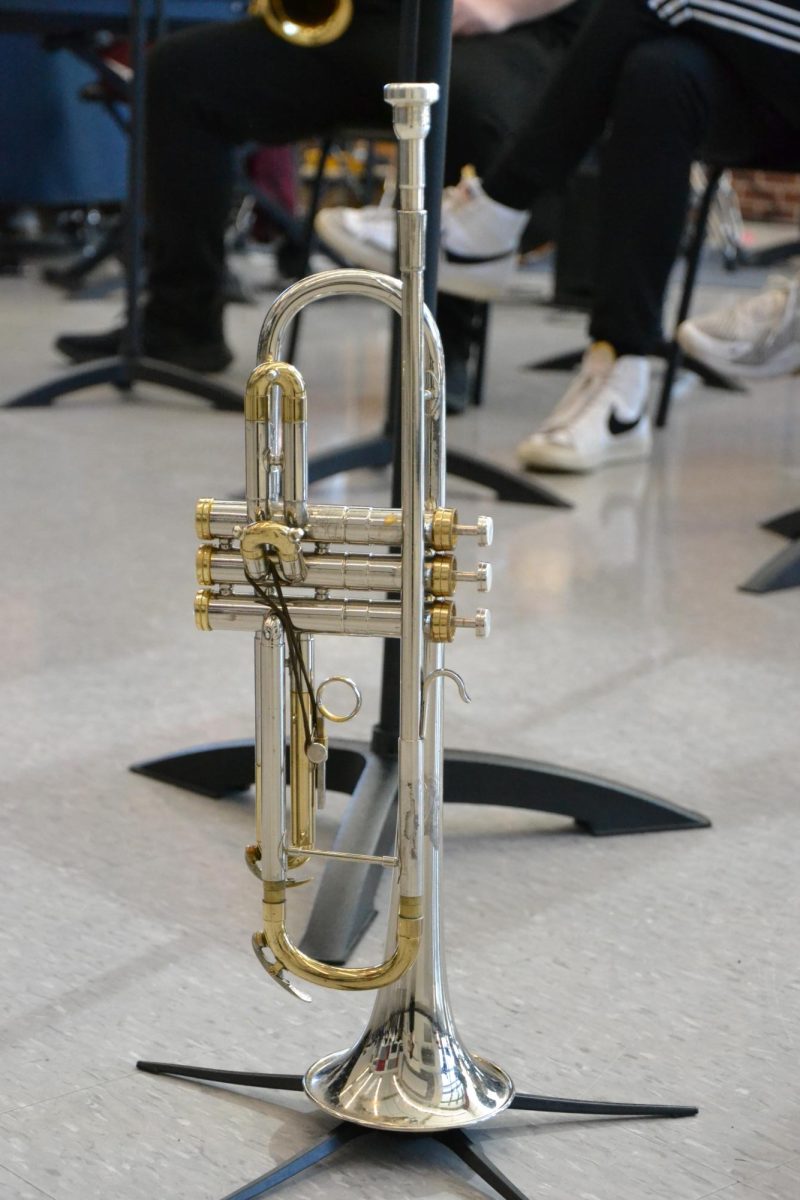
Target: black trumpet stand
point(458, 1141)
point(130, 366)
point(343, 907)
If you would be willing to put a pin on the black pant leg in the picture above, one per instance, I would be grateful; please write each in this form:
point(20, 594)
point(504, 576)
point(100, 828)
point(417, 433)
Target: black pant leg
point(675, 101)
point(563, 124)
point(212, 87)
point(493, 78)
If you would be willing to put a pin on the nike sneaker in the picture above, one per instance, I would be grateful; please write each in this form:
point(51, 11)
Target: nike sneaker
point(479, 237)
point(757, 337)
point(602, 418)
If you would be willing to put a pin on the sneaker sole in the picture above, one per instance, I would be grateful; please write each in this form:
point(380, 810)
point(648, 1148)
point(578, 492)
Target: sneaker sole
point(482, 283)
point(701, 348)
point(550, 458)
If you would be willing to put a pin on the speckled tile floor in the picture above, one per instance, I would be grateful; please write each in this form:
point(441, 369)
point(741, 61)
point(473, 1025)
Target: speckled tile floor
point(659, 968)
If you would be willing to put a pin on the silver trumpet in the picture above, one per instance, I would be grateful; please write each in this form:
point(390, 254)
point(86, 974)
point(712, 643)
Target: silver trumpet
point(268, 567)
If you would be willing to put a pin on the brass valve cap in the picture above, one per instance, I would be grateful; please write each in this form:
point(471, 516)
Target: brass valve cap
point(442, 621)
point(202, 519)
point(202, 563)
point(443, 575)
point(201, 617)
point(443, 529)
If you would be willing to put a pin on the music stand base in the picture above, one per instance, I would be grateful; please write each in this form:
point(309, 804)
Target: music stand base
point(781, 571)
point(344, 903)
point(786, 524)
point(510, 486)
point(456, 1140)
point(123, 373)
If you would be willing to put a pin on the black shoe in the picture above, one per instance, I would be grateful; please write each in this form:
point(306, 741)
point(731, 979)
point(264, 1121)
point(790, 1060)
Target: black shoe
point(168, 346)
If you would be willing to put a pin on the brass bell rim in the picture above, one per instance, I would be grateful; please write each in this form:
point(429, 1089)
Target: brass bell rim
point(300, 32)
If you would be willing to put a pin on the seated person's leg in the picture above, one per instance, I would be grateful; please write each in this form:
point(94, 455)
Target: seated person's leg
point(674, 98)
point(493, 78)
point(492, 81)
point(208, 89)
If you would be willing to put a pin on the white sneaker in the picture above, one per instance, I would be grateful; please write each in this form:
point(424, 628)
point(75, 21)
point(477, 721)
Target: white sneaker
point(757, 337)
point(478, 239)
point(602, 418)
point(363, 237)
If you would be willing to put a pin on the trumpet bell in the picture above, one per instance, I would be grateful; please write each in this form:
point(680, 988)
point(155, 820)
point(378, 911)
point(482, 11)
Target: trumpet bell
point(409, 1077)
point(305, 22)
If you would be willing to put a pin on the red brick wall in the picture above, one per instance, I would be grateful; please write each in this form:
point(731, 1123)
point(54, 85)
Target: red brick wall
point(768, 195)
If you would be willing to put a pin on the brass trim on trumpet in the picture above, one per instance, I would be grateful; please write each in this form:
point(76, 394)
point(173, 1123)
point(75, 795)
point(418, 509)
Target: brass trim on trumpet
point(355, 979)
point(271, 374)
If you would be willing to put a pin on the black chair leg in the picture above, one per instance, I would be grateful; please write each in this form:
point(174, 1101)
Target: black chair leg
point(308, 236)
point(692, 264)
point(480, 342)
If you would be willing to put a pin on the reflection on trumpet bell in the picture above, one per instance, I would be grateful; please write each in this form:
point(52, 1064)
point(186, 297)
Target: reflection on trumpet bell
point(439, 1087)
point(305, 22)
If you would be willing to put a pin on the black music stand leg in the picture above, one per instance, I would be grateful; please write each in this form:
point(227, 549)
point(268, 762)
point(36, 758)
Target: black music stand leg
point(786, 524)
point(376, 452)
point(372, 453)
point(781, 571)
point(131, 366)
point(597, 805)
point(107, 370)
point(344, 904)
point(510, 486)
point(123, 373)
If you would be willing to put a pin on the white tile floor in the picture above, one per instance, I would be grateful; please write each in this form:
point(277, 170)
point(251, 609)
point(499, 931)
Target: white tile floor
point(662, 967)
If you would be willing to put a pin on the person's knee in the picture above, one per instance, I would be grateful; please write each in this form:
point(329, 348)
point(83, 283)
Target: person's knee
point(661, 77)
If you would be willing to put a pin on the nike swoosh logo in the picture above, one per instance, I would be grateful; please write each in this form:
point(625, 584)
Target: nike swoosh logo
point(616, 427)
point(472, 260)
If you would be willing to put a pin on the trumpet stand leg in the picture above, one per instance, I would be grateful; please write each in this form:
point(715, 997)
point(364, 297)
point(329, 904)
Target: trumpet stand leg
point(456, 1140)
